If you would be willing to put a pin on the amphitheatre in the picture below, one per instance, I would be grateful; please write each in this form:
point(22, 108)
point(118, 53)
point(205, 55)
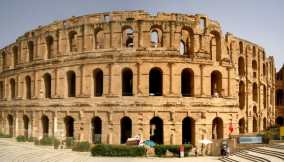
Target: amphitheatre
point(104, 77)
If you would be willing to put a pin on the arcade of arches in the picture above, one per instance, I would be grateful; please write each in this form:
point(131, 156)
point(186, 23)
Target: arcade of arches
point(172, 82)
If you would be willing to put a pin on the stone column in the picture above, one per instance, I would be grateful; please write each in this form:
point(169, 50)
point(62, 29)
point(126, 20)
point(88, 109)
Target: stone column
point(170, 65)
point(55, 71)
point(81, 80)
point(201, 80)
point(109, 81)
point(229, 81)
point(16, 122)
point(138, 64)
point(172, 33)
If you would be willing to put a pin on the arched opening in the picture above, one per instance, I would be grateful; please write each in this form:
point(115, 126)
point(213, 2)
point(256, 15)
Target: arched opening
point(49, 46)
point(98, 82)
point(26, 125)
point(73, 41)
point(215, 45)
point(263, 69)
point(28, 87)
point(253, 51)
point(99, 38)
point(216, 83)
point(71, 82)
point(10, 125)
point(15, 53)
point(241, 47)
point(4, 60)
point(254, 68)
point(217, 128)
point(156, 82)
point(128, 37)
point(242, 95)
point(13, 88)
point(125, 129)
point(264, 123)
point(156, 130)
point(127, 82)
point(182, 48)
point(264, 97)
point(96, 130)
point(242, 126)
point(31, 50)
point(188, 131)
point(241, 66)
point(45, 125)
point(280, 121)
point(187, 82)
point(156, 37)
point(254, 92)
point(2, 90)
point(279, 97)
point(254, 124)
point(187, 41)
point(69, 126)
point(47, 85)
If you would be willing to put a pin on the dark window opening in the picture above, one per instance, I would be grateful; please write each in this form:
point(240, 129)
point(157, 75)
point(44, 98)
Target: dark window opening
point(47, 85)
point(13, 88)
point(156, 82)
point(71, 81)
point(125, 129)
point(187, 82)
point(216, 84)
point(127, 82)
point(188, 131)
point(45, 125)
point(156, 130)
point(28, 88)
point(217, 128)
point(98, 82)
point(96, 130)
point(69, 125)
point(31, 50)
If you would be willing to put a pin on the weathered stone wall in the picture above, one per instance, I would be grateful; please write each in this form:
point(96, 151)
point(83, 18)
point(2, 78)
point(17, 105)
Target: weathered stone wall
point(100, 41)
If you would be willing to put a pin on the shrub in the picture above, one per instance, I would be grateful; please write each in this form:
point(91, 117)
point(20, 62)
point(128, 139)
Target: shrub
point(49, 141)
point(81, 146)
point(69, 142)
point(160, 150)
point(117, 150)
point(2, 135)
point(21, 138)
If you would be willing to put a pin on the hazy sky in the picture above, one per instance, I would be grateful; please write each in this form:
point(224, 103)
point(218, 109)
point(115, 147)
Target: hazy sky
point(259, 21)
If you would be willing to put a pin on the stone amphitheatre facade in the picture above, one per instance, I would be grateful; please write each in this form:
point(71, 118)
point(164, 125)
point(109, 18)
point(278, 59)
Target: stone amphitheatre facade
point(173, 78)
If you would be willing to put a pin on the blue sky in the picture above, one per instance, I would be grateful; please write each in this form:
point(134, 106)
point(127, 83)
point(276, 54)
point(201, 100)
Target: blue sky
point(259, 21)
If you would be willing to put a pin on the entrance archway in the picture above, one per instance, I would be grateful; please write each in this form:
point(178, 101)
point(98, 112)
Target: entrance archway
point(188, 130)
point(69, 125)
point(217, 128)
point(264, 123)
point(157, 130)
point(125, 129)
point(10, 125)
point(254, 123)
point(26, 125)
point(96, 130)
point(45, 125)
point(242, 125)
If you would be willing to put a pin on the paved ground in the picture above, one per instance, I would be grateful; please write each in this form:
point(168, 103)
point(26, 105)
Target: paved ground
point(11, 151)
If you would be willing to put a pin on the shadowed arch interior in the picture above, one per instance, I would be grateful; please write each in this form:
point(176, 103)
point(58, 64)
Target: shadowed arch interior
point(96, 130)
point(157, 130)
point(156, 82)
point(188, 130)
point(69, 126)
point(125, 129)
